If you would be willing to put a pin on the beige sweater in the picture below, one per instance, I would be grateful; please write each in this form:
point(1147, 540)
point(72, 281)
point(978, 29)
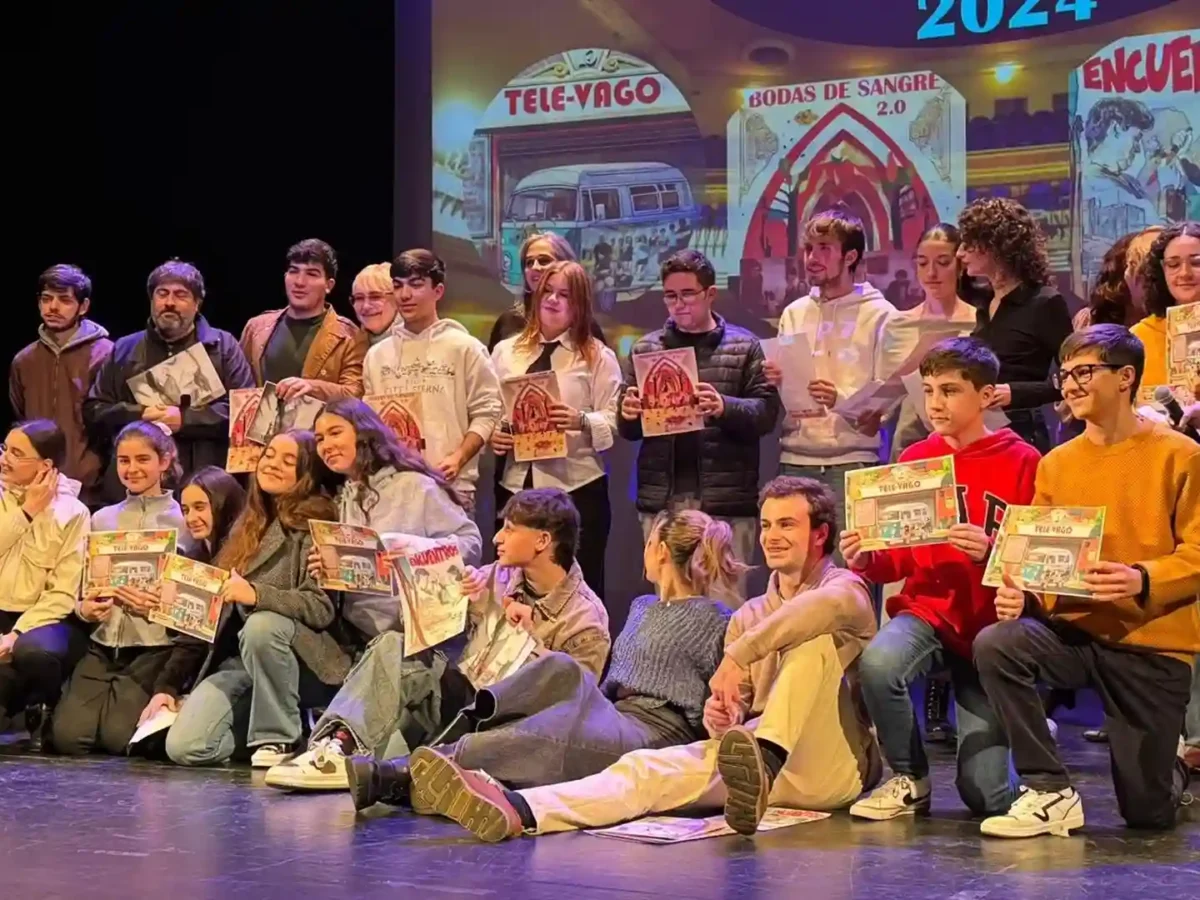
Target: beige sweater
point(832, 601)
point(41, 562)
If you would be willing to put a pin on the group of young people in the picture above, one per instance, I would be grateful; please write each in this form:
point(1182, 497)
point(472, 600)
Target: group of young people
point(705, 698)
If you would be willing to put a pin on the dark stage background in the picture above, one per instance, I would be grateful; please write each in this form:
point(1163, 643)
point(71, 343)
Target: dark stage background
point(217, 132)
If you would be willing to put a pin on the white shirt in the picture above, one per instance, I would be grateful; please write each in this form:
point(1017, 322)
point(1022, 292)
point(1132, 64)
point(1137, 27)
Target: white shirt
point(591, 389)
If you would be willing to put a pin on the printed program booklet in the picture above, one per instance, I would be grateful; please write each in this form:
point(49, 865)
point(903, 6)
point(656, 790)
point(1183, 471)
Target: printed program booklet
point(127, 559)
point(190, 373)
point(666, 381)
point(902, 505)
point(190, 598)
point(1047, 549)
point(402, 414)
point(496, 648)
point(680, 829)
point(431, 596)
point(274, 415)
point(1183, 346)
point(353, 558)
point(794, 356)
point(527, 400)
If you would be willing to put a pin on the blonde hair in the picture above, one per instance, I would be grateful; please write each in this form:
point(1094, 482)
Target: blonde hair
point(375, 277)
point(1139, 249)
point(700, 549)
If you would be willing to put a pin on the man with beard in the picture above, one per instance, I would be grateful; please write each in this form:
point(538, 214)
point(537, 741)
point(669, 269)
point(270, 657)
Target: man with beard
point(50, 377)
point(201, 433)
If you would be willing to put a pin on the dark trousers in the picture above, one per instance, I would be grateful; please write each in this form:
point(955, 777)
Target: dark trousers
point(1144, 696)
point(1030, 426)
point(41, 660)
point(105, 697)
point(595, 518)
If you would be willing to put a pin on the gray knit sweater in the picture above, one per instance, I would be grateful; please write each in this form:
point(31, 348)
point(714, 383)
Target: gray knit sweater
point(668, 652)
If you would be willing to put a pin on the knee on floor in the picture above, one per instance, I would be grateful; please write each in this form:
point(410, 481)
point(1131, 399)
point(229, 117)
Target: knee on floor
point(69, 739)
point(186, 750)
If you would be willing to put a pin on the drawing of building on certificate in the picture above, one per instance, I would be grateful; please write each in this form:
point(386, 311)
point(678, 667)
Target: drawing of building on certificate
point(127, 558)
point(190, 599)
point(527, 401)
point(1047, 549)
point(402, 414)
point(667, 381)
point(903, 505)
point(1183, 346)
point(431, 596)
point(353, 558)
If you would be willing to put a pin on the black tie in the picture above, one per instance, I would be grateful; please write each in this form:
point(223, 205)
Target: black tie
point(541, 364)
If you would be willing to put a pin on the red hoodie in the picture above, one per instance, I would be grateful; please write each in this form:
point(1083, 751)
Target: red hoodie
point(941, 584)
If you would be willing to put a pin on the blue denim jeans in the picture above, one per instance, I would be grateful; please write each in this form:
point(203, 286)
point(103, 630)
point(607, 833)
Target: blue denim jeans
point(905, 648)
point(389, 704)
point(250, 700)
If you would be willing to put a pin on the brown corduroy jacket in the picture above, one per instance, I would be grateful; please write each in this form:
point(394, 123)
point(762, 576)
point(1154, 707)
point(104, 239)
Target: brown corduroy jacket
point(335, 360)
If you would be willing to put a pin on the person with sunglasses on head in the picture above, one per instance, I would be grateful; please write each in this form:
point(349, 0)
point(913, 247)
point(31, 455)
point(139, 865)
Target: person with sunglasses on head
point(715, 469)
point(1135, 638)
point(538, 252)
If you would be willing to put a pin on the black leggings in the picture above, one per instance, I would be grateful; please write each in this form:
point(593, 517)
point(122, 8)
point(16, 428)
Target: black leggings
point(595, 518)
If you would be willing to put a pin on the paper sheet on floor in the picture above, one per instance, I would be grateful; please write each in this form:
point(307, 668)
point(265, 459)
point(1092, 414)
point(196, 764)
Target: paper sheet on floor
point(679, 829)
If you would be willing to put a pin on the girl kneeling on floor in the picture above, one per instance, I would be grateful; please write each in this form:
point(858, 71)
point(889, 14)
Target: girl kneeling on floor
point(111, 685)
point(253, 698)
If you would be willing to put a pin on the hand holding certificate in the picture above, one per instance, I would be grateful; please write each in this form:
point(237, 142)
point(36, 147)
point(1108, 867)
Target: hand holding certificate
point(905, 505)
point(1047, 549)
point(529, 401)
point(667, 383)
point(431, 596)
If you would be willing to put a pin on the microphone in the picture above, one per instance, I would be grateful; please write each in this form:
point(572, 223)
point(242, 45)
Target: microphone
point(1165, 398)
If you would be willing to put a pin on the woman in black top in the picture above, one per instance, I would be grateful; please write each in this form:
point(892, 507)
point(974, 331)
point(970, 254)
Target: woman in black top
point(1027, 319)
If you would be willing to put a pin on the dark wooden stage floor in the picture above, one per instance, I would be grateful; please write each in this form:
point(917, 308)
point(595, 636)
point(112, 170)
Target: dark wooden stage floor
point(110, 828)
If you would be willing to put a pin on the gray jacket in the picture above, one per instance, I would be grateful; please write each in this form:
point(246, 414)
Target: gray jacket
point(279, 573)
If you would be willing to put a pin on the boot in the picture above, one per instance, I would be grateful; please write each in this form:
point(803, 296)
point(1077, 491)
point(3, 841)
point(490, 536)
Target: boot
point(37, 721)
point(938, 729)
point(387, 781)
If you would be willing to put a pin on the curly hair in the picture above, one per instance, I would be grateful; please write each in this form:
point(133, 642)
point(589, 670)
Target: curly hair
point(1110, 302)
point(1158, 294)
point(1006, 231)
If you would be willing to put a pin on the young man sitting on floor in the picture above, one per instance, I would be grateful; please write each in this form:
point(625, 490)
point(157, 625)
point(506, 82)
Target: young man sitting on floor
point(389, 702)
point(1134, 639)
point(943, 603)
point(789, 657)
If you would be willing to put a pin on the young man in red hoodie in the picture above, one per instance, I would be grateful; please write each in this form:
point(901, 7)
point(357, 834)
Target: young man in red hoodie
point(943, 603)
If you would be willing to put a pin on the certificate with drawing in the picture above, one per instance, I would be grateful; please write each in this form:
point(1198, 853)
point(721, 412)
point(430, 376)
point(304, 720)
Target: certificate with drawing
point(188, 374)
point(402, 414)
point(274, 415)
point(190, 598)
point(353, 558)
point(1183, 345)
point(904, 505)
point(431, 597)
point(243, 454)
point(680, 829)
point(127, 559)
point(527, 401)
point(1047, 549)
point(667, 381)
point(496, 648)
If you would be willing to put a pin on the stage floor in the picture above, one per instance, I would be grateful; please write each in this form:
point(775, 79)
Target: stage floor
point(109, 828)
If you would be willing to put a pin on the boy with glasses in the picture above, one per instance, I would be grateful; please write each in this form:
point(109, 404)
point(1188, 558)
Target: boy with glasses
point(1134, 640)
point(716, 469)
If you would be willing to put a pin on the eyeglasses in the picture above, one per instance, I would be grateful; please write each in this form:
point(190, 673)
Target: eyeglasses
point(373, 297)
point(13, 455)
point(543, 261)
point(1081, 375)
point(686, 297)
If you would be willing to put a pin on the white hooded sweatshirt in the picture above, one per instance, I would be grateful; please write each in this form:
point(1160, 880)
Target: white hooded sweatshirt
point(846, 334)
point(453, 373)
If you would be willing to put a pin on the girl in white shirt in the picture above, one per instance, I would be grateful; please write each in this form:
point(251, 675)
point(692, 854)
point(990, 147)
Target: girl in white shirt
point(559, 337)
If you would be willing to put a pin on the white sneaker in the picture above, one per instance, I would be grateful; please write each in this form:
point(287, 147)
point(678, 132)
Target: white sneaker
point(320, 768)
point(900, 795)
point(267, 755)
point(1038, 812)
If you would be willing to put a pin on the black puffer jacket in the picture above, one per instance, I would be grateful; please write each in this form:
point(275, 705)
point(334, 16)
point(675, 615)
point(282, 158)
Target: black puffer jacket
point(731, 360)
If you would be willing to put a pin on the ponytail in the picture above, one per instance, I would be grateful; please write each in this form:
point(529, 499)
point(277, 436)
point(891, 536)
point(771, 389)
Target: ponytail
point(701, 550)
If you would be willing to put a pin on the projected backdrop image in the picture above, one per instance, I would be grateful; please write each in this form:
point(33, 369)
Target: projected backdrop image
point(634, 130)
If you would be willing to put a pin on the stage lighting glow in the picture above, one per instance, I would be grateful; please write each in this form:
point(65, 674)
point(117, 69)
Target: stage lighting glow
point(1006, 72)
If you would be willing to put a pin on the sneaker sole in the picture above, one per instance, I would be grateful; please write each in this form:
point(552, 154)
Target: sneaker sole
point(300, 783)
point(360, 789)
point(740, 764)
point(920, 808)
point(1057, 829)
point(434, 776)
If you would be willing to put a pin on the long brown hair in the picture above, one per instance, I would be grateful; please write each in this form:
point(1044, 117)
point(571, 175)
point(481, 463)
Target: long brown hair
point(579, 289)
point(306, 500)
